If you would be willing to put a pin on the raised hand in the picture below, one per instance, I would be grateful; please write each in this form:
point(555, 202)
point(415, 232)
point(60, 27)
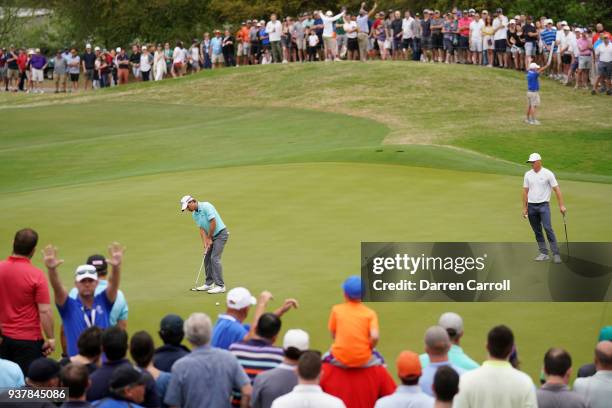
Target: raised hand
point(50, 257)
point(115, 252)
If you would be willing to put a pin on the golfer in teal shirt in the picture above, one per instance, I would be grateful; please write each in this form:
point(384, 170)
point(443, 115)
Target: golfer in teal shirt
point(214, 237)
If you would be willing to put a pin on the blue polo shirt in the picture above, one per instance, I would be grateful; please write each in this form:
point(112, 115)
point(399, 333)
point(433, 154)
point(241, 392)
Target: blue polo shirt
point(549, 37)
point(533, 83)
point(75, 318)
point(227, 331)
point(216, 45)
point(204, 214)
point(120, 308)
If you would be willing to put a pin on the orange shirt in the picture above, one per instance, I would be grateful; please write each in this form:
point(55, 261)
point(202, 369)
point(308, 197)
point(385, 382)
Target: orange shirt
point(352, 322)
point(243, 35)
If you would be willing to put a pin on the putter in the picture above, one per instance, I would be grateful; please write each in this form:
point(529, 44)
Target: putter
point(566, 240)
point(198, 277)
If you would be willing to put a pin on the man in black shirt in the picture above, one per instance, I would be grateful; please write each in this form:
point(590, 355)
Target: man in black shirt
point(396, 29)
point(88, 59)
point(135, 61)
point(531, 40)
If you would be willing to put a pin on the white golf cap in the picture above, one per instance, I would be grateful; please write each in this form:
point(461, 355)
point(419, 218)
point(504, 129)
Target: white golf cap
point(451, 321)
point(533, 66)
point(533, 157)
point(88, 46)
point(239, 298)
point(296, 338)
point(549, 21)
point(97, 49)
point(566, 27)
point(118, 49)
point(563, 23)
point(513, 21)
point(184, 201)
point(85, 272)
point(328, 13)
point(578, 30)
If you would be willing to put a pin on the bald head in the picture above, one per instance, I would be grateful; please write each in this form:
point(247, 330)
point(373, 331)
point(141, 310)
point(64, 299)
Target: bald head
point(603, 355)
point(437, 342)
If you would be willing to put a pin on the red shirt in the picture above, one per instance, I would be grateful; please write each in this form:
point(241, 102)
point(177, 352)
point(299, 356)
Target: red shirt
point(357, 387)
point(22, 288)
point(22, 61)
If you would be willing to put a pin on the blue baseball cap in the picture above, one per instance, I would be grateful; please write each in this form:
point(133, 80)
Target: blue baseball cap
point(605, 333)
point(352, 287)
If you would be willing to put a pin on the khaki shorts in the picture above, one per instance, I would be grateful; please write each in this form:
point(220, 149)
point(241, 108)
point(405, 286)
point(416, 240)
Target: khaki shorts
point(533, 98)
point(12, 73)
point(329, 43)
point(217, 59)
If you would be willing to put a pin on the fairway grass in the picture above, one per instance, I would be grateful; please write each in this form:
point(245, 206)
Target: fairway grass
point(296, 230)
point(304, 162)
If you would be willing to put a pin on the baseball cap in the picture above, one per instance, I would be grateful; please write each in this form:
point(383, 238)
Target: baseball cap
point(296, 338)
point(451, 321)
point(118, 49)
point(533, 66)
point(99, 261)
point(408, 364)
point(471, 10)
point(187, 198)
point(533, 156)
point(43, 369)
point(97, 49)
point(88, 46)
point(566, 27)
point(578, 30)
point(38, 50)
point(85, 272)
point(499, 10)
point(605, 333)
point(171, 324)
point(125, 376)
point(563, 23)
point(352, 287)
point(328, 13)
point(512, 21)
point(549, 21)
point(239, 298)
point(30, 52)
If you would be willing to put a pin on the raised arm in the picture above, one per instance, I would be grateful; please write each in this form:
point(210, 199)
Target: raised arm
point(116, 251)
point(52, 263)
point(260, 308)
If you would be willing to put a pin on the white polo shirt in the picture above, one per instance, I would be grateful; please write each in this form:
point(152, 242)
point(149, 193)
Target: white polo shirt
point(274, 30)
point(496, 384)
point(540, 185)
point(307, 396)
point(604, 52)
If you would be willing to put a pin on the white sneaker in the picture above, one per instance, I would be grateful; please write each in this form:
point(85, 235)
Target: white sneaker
point(217, 289)
point(542, 257)
point(557, 259)
point(535, 122)
point(204, 288)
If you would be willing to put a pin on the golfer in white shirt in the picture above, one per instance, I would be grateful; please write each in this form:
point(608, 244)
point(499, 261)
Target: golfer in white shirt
point(537, 186)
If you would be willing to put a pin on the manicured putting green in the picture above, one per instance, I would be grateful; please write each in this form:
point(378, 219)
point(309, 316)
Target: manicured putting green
point(295, 229)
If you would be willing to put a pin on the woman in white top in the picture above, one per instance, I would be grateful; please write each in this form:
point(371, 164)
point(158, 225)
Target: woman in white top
point(146, 61)
point(178, 60)
point(159, 64)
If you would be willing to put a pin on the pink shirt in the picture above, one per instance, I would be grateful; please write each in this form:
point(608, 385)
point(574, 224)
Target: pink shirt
point(583, 47)
point(464, 26)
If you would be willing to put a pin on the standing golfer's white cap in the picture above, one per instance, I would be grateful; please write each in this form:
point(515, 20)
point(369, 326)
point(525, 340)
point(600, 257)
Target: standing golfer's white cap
point(534, 157)
point(451, 321)
point(239, 298)
point(85, 272)
point(184, 201)
point(296, 338)
point(533, 66)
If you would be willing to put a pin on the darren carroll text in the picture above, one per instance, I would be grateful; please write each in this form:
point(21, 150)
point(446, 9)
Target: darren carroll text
point(408, 285)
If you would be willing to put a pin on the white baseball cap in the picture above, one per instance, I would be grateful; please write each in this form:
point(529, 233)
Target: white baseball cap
point(329, 13)
point(566, 27)
point(451, 321)
point(118, 49)
point(533, 66)
point(513, 21)
point(549, 21)
point(239, 298)
point(184, 201)
point(88, 46)
point(85, 272)
point(97, 49)
point(533, 157)
point(296, 338)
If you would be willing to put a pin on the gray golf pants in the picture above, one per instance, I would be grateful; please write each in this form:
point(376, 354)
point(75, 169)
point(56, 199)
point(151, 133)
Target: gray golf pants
point(539, 216)
point(212, 260)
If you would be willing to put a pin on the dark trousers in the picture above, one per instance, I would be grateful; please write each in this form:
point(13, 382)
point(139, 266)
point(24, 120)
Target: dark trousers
point(145, 75)
point(539, 216)
point(212, 260)
point(21, 352)
point(416, 49)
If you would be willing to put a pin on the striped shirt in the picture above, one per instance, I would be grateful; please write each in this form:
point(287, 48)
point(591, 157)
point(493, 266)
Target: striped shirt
point(549, 37)
point(255, 356)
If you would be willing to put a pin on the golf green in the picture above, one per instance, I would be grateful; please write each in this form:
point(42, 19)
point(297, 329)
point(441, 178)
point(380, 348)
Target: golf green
point(304, 162)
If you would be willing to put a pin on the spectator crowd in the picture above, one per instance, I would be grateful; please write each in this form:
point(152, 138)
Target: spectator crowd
point(240, 359)
point(580, 56)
